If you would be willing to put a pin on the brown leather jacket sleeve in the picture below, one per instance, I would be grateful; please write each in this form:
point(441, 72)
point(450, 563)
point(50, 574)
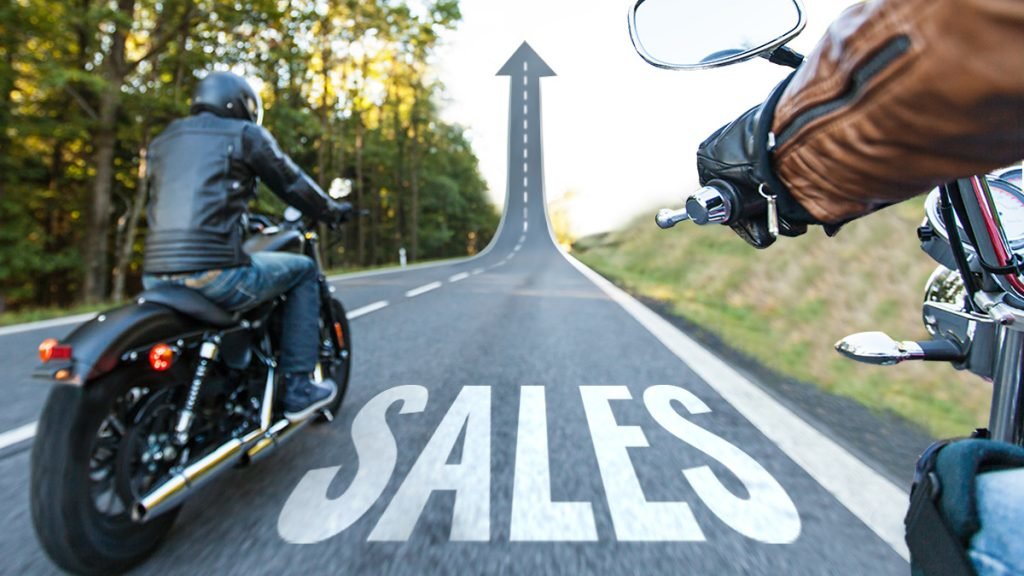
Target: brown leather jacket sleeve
point(898, 97)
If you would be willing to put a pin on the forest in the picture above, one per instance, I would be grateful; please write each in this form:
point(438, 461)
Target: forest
point(349, 91)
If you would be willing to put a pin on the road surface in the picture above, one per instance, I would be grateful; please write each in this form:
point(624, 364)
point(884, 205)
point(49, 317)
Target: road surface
point(512, 413)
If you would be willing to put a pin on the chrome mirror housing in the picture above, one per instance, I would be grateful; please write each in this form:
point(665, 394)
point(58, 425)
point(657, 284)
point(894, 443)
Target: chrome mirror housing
point(697, 34)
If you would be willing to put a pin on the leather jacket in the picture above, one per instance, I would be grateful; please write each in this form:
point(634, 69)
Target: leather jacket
point(203, 172)
point(898, 97)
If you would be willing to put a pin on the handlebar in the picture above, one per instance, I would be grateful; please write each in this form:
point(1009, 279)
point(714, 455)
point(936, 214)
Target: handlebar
point(709, 205)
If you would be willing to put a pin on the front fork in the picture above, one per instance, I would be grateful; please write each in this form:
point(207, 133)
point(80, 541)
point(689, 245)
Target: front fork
point(1006, 421)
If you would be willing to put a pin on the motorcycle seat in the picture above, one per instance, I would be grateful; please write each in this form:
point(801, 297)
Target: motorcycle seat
point(190, 303)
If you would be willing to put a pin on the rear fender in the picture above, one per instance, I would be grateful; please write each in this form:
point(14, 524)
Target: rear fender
point(99, 345)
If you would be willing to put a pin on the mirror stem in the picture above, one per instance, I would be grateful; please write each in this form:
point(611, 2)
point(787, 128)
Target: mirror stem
point(786, 56)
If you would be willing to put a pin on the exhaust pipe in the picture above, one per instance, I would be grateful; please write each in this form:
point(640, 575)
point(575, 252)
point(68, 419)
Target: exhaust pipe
point(173, 492)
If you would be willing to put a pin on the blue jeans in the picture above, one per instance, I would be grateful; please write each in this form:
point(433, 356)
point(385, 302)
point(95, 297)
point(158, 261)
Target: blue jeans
point(997, 549)
point(270, 274)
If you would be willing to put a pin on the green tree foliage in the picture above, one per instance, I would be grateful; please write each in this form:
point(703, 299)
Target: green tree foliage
point(349, 91)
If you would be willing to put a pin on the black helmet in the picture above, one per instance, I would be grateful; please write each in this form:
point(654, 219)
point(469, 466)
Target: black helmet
point(229, 96)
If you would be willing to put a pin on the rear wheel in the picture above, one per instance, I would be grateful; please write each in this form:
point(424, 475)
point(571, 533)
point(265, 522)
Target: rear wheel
point(93, 456)
point(337, 360)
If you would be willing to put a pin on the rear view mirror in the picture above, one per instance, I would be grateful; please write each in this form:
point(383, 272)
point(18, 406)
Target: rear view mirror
point(695, 34)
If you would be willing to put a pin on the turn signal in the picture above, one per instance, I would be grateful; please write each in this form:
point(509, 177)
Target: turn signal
point(161, 357)
point(50, 349)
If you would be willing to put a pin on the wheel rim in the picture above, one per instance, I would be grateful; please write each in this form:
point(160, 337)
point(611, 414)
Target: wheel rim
point(121, 464)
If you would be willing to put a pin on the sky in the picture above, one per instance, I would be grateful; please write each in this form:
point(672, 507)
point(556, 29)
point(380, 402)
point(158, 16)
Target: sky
point(618, 133)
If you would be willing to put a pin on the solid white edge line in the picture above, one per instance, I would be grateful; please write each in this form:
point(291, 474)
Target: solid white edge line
point(363, 311)
point(42, 324)
point(422, 289)
point(459, 276)
point(876, 501)
point(18, 435)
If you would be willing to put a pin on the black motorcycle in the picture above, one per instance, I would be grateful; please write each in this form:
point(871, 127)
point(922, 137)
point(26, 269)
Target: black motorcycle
point(155, 398)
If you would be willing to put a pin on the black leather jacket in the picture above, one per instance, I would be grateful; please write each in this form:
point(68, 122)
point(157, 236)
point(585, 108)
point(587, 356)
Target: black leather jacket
point(203, 171)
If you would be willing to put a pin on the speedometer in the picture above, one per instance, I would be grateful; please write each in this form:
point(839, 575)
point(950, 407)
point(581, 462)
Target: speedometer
point(1009, 201)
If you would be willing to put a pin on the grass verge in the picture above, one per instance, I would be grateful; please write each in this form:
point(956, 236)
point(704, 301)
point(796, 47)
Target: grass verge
point(786, 306)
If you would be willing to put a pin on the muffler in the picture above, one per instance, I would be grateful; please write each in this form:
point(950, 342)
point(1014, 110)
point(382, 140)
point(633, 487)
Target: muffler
point(173, 492)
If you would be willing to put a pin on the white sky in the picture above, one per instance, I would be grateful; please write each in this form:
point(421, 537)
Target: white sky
point(619, 133)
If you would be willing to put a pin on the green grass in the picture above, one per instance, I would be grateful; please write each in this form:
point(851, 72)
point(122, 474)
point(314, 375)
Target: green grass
point(786, 306)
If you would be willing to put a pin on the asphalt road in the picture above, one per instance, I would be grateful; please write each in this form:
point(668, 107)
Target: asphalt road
point(511, 413)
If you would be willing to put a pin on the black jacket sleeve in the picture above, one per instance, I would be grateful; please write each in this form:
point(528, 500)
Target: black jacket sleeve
point(284, 178)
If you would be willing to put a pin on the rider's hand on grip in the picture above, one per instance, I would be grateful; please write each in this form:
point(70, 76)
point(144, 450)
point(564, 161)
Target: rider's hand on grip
point(737, 157)
point(340, 212)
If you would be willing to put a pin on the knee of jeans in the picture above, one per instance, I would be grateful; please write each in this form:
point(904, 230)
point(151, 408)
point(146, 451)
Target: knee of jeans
point(308, 269)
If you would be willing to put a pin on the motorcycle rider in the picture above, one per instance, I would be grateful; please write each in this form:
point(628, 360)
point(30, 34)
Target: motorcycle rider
point(898, 97)
point(203, 171)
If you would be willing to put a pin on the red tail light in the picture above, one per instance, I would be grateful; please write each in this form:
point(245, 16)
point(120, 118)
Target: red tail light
point(161, 357)
point(50, 349)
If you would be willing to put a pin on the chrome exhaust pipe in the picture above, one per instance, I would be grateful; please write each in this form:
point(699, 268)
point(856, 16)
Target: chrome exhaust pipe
point(171, 493)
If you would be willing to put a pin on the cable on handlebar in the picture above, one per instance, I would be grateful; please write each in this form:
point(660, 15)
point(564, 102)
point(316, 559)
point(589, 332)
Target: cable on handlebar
point(957, 247)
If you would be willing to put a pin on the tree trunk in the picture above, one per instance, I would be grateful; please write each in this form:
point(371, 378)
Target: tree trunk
point(94, 288)
point(124, 258)
point(361, 194)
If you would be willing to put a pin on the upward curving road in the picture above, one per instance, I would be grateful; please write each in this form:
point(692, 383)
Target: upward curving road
point(513, 413)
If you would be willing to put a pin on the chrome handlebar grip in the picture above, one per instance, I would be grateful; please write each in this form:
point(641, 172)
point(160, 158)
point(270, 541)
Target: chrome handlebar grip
point(668, 218)
point(707, 206)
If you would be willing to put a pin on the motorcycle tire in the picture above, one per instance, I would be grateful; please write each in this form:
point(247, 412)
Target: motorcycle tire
point(342, 366)
point(74, 532)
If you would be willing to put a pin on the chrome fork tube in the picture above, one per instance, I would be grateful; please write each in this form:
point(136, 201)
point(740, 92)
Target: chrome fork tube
point(1005, 418)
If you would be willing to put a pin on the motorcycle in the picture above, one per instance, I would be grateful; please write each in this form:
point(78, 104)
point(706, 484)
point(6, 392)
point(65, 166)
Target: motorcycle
point(156, 398)
point(973, 227)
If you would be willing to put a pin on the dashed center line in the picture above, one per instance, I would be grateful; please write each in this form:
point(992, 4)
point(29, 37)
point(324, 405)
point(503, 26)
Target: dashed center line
point(459, 276)
point(478, 271)
point(363, 311)
point(422, 289)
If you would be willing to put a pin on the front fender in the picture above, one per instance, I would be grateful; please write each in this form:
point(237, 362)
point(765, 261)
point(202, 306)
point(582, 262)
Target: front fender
point(98, 345)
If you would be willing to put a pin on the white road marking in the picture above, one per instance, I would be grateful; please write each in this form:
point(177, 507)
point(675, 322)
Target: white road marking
point(477, 271)
point(526, 225)
point(635, 518)
point(18, 435)
point(524, 212)
point(526, 181)
point(367, 309)
point(517, 248)
point(18, 328)
point(535, 518)
point(525, 197)
point(308, 515)
point(522, 238)
point(876, 501)
point(422, 289)
point(470, 479)
point(459, 276)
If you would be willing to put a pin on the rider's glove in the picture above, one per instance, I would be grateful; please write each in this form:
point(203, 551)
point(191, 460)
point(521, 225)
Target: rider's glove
point(340, 212)
point(737, 157)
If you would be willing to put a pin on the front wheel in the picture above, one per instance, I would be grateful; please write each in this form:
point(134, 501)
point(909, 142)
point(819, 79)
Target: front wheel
point(337, 359)
point(91, 459)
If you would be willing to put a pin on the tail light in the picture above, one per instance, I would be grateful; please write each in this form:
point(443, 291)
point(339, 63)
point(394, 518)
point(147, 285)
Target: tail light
point(51, 349)
point(161, 356)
